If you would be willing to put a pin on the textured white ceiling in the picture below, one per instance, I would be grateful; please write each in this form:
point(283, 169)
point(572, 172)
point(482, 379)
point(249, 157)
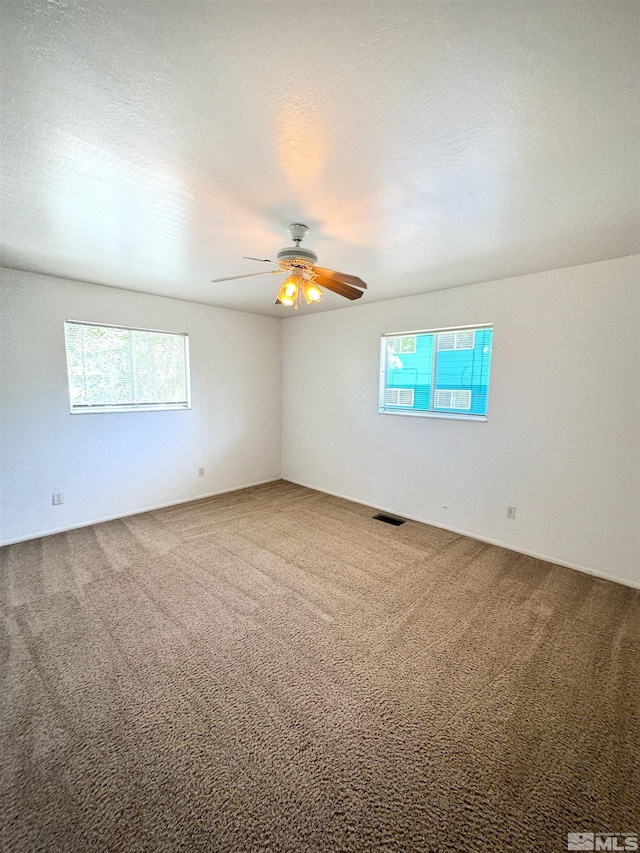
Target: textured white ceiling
point(149, 145)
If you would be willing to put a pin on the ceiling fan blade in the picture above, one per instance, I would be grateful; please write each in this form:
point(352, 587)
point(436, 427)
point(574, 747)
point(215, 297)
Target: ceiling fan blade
point(338, 287)
point(262, 260)
point(246, 275)
point(277, 302)
point(332, 275)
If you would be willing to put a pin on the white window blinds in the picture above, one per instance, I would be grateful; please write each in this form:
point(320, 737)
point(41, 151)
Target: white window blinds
point(112, 368)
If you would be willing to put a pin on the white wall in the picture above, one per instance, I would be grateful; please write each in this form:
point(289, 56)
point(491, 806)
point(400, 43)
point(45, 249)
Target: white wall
point(109, 465)
point(562, 438)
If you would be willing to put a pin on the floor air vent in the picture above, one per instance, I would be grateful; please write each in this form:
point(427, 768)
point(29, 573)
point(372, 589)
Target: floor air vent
point(389, 519)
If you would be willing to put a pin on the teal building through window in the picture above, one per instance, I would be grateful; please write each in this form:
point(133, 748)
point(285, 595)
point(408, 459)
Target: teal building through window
point(442, 372)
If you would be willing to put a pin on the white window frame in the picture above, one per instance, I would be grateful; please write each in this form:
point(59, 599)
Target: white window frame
point(389, 409)
point(132, 407)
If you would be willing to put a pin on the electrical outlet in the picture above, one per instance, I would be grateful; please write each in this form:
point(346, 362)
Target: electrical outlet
point(57, 498)
point(200, 472)
point(511, 512)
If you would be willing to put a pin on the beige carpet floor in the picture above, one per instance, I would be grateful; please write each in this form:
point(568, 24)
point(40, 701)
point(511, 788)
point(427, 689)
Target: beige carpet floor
point(274, 670)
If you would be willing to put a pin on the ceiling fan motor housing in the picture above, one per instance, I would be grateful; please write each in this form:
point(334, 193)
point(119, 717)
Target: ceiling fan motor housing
point(291, 254)
point(295, 256)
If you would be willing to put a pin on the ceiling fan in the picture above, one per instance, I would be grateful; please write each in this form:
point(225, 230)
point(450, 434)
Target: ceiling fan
point(305, 278)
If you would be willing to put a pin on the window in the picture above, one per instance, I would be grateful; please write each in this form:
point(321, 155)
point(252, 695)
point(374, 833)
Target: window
point(116, 369)
point(405, 344)
point(452, 399)
point(464, 339)
point(398, 396)
point(442, 373)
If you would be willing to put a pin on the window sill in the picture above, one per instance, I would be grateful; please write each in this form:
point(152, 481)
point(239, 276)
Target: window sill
point(108, 410)
point(441, 415)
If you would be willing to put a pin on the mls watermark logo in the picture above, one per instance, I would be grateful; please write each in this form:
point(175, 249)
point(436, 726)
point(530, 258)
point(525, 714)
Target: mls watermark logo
point(620, 841)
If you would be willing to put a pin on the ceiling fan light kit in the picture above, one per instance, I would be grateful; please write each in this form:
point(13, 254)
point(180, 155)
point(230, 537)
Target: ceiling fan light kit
point(311, 291)
point(289, 291)
point(305, 278)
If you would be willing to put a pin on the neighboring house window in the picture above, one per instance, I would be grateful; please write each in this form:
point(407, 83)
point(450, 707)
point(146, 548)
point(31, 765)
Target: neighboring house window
point(398, 397)
point(464, 339)
point(118, 369)
point(441, 373)
point(404, 344)
point(452, 399)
